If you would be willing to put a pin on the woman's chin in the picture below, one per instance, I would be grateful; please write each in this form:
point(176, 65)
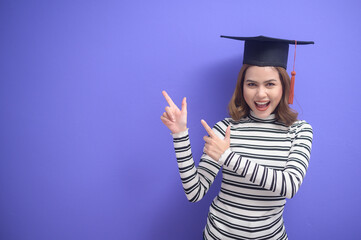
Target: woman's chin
point(262, 114)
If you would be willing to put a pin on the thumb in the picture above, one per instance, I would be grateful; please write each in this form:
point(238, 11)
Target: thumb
point(227, 136)
point(184, 105)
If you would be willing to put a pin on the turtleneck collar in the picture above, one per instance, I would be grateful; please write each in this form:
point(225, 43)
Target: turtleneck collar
point(270, 118)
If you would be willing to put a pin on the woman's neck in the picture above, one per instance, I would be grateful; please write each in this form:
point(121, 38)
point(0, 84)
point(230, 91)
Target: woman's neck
point(270, 117)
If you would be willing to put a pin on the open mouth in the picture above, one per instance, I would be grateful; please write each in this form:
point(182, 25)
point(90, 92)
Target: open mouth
point(262, 106)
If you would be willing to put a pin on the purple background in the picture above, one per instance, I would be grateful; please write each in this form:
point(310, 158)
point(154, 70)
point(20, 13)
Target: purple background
point(83, 152)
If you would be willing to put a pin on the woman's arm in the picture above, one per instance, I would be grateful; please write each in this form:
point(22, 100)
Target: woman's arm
point(196, 181)
point(284, 182)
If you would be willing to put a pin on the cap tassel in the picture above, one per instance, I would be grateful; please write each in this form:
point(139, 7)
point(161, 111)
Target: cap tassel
point(292, 88)
point(293, 74)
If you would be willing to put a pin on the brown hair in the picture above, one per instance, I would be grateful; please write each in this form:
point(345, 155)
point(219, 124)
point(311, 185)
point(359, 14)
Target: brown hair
point(238, 107)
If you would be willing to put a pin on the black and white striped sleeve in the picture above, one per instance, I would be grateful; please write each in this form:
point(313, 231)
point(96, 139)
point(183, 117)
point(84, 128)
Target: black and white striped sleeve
point(284, 182)
point(195, 180)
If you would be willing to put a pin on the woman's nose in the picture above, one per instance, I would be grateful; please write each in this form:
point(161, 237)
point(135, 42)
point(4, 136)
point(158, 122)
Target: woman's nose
point(262, 92)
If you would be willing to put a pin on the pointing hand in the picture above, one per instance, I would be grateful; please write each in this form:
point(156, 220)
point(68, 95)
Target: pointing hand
point(215, 146)
point(174, 118)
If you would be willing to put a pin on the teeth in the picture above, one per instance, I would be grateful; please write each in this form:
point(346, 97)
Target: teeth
point(262, 103)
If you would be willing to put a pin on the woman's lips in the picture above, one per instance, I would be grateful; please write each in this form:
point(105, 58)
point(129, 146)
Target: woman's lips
point(262, 106)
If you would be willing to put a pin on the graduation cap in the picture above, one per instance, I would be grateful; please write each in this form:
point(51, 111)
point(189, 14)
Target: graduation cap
point(267, 51)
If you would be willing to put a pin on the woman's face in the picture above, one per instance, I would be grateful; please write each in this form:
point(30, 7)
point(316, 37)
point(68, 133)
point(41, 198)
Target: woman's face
point(262, 90)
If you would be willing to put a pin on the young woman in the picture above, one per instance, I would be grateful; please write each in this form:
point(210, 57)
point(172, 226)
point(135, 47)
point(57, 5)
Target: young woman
point(263, 149)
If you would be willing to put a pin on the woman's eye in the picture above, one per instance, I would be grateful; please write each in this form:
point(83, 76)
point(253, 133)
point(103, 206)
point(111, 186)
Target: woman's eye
point(251, 84)
point(270, 84)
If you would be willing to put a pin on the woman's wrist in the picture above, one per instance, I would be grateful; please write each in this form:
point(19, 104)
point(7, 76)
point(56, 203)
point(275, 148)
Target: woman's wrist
point(224, 156)
point(180, 133)
point(180, 130)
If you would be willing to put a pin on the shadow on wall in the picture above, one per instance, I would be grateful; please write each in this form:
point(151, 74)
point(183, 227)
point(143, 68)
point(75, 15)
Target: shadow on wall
point(213, 87)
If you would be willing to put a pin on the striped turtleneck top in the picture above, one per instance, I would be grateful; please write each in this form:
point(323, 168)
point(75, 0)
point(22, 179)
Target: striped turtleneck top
point(265, 164)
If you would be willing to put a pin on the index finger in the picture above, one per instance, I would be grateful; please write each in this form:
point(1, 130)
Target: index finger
point(208, 129)
point(169, 100)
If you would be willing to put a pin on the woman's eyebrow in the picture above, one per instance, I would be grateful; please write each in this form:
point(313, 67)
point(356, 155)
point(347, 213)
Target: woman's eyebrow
point(253, 81)
point(271, 80)
point(249, 80)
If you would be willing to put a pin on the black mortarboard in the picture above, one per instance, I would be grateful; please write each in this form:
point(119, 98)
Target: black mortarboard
point(266, 51)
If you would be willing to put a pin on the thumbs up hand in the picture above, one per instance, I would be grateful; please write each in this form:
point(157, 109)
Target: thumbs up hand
point(215, 146)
